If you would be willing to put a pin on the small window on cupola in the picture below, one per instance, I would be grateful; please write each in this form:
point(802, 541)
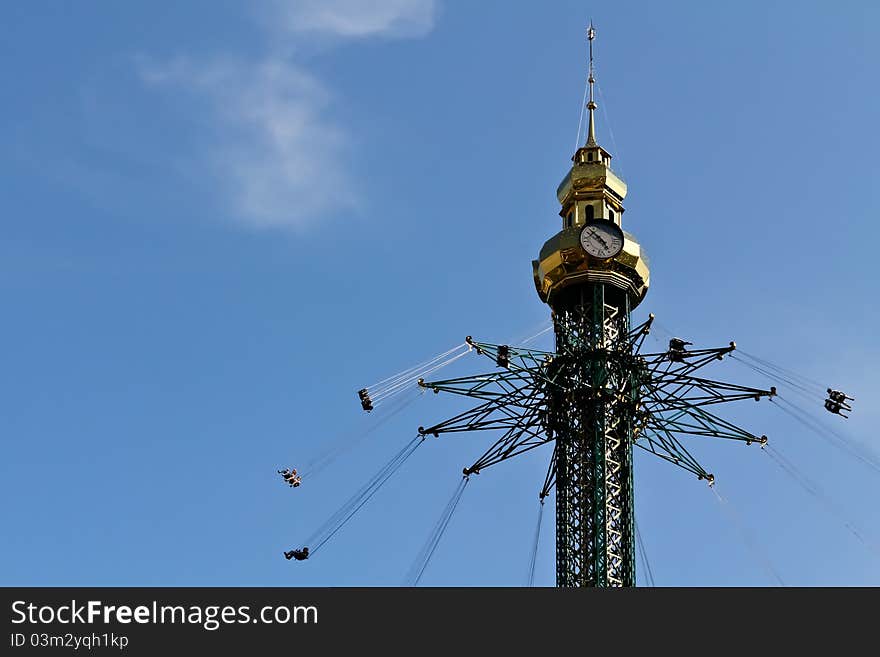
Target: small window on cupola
point(611, 215)
point(590, 156)
point(588, 213)
point(569, 220)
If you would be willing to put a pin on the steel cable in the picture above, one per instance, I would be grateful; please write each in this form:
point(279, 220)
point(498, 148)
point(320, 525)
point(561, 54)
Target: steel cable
point(819, 495)
point(534, 555)
point(338, 520)
point(424, 557)
point(649, 573)
point(746, 536)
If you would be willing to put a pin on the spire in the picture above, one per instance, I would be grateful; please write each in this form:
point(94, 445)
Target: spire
point(591, 134)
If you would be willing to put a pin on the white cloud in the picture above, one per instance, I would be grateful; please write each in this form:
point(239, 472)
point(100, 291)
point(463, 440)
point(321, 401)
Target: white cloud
point(357, 18)
point(281, 160)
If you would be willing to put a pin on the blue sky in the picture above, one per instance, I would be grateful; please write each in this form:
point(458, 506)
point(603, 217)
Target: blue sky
point(219, 220)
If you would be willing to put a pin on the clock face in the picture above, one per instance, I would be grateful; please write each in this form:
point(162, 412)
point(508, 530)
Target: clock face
point(602, 239)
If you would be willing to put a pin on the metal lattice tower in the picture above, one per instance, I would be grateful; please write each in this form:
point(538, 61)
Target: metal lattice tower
point(592, 418)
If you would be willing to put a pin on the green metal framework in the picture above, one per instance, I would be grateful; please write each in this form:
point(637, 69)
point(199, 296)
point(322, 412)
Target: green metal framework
point(592, 417)
point(595, 398)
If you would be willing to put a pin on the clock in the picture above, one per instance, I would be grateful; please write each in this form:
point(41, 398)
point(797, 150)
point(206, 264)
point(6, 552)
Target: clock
point(602, 239)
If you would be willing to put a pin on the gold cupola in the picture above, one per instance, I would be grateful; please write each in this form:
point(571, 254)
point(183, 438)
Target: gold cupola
point(590, 192)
